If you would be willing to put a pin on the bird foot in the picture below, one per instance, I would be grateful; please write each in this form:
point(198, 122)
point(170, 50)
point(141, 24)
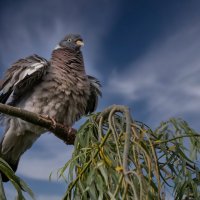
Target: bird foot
point(50, 118)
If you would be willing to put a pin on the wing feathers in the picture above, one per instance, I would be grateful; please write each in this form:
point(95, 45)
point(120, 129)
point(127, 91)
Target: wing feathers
point(95, 92)
point(21, 77)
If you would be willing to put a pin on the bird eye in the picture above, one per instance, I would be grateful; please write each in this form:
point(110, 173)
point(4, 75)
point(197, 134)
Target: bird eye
point(69, 40)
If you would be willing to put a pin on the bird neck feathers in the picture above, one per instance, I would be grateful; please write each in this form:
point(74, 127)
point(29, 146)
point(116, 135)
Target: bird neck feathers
point(68, 60)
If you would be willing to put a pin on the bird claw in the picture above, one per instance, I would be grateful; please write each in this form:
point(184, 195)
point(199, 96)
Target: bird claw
point(50, 118)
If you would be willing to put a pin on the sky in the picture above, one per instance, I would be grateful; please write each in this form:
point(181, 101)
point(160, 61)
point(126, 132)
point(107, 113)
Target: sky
point(145, 53)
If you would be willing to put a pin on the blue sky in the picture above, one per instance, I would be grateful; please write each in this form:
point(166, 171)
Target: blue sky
point(146, 54)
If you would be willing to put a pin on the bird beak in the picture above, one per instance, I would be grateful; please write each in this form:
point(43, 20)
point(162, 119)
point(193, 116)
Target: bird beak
point(79, 43)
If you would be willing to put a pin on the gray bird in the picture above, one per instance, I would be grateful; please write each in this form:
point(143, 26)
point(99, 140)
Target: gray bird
point(58, 88)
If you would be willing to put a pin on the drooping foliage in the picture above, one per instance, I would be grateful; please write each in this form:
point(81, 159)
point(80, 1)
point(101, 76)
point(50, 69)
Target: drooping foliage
point(116, 157)
point(20, 186)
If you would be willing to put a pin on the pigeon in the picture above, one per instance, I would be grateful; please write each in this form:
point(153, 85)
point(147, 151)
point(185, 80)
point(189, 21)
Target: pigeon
point(58, 88)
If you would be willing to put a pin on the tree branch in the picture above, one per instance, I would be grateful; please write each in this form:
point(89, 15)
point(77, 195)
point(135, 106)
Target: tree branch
point(62, 132)
point(125, 110)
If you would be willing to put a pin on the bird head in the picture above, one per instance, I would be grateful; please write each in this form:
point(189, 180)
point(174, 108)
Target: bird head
point(72, 41)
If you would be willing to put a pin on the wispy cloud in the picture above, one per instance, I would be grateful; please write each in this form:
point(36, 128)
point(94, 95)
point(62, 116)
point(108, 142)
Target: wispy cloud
point(166, 77)
point(45, 157)
point(37, 29)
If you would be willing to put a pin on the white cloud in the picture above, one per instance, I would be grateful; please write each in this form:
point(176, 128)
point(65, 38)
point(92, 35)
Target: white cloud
point(166, 77)
point(51, 156)
point(27, 34)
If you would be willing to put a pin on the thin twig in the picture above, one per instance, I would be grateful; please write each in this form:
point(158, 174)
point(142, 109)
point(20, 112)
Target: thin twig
point(86, 165)
point(114, 134)
point(118, 185)
point(125, 110)
point(176, 138)
point(127, 139)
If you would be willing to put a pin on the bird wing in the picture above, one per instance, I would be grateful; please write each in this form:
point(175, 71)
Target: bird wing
point(21, 78)
point(95, 92)
point(19, 81)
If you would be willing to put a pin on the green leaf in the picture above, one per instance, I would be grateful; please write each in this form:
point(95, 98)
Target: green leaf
point(155, 159)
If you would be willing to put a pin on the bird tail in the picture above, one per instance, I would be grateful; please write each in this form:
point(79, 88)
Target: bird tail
point(13, 166)
point(7, 157)
point(13, 146)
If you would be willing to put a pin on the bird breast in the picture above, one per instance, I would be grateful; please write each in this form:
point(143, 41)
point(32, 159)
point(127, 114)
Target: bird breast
point(62, 98)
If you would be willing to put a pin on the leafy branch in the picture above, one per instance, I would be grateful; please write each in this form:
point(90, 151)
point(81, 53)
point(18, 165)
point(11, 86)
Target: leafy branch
point(117, 158)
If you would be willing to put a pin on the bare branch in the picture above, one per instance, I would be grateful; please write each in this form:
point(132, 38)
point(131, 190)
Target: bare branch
point(67, 134)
